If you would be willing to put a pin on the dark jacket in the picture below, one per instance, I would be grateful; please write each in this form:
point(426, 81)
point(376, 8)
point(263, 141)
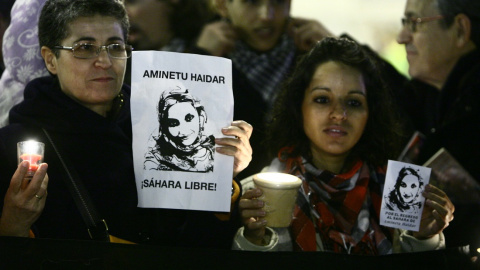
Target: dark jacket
point(450, 117)
point(100, 150)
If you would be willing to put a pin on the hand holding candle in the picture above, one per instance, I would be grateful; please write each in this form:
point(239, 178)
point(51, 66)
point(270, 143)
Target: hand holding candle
point(32, 152)
point(24, 201)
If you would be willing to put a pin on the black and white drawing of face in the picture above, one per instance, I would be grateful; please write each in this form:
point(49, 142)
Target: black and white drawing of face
point(409, 188)
point(179, 143)
point(183, 123)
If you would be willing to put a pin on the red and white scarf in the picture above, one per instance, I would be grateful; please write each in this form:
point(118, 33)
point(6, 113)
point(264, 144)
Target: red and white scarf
point(340, 210)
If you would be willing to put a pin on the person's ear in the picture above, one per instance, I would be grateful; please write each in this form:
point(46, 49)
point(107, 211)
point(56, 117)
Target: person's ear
point(463, 27)
point(221, 7)
point(50, 59)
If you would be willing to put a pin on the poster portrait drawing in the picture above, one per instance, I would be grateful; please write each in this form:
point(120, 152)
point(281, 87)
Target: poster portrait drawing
point(180, 144)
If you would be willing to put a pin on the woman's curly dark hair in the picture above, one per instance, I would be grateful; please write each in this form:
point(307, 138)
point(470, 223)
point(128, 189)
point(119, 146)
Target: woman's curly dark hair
point(381, 139)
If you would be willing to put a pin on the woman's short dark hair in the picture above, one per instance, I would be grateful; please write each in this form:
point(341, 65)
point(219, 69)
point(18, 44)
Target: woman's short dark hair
point(56, 15)
point(380, 140)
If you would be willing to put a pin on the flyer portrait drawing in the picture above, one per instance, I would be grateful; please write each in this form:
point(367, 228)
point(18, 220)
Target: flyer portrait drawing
point(402, 201)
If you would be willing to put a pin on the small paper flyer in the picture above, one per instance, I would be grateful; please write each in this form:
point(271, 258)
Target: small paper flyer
point(403, 202)
point(179, 104)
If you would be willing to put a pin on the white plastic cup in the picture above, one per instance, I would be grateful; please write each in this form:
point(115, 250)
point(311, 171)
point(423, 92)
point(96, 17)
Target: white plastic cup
point(280, 192)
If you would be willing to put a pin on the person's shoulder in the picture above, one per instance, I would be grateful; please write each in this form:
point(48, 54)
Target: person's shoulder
point(11, 134)
point(37, 85)
point(16, 130)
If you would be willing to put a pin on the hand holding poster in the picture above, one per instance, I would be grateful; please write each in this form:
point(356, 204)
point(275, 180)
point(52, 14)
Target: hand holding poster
point(180, 103)
point(403, 203)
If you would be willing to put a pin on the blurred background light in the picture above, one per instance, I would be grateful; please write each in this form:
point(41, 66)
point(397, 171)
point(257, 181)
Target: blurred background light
point(372, 22)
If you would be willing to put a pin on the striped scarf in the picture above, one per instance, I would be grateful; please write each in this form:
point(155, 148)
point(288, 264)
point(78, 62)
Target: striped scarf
point(338, 213)
point(265, 71)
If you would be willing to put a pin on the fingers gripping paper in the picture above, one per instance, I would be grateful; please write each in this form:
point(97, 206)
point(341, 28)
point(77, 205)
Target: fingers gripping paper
point(180, 103)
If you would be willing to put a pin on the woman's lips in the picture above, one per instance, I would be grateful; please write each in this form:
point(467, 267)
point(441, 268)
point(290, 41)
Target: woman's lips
point(103, 79)
point(335, 132)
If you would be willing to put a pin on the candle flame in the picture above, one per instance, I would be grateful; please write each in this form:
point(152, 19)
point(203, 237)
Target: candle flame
point(31, 147)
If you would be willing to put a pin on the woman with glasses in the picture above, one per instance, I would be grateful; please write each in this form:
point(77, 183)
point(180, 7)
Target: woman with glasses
point(82, 114)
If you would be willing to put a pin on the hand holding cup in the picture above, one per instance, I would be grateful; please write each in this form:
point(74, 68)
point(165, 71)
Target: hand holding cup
point(279, 193)
point(32, 152)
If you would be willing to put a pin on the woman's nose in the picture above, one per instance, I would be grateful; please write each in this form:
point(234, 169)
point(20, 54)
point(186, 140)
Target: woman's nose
point(103, 59)
point(339, 112)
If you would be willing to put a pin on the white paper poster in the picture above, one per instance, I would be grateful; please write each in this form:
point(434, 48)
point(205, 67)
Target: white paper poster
point(180, 102)
point(403, 202)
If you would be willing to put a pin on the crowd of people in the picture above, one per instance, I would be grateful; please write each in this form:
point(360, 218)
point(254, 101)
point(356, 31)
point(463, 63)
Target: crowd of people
point(326, 109)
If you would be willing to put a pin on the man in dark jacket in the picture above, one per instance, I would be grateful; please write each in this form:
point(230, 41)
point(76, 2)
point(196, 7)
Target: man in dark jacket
point(442, 100)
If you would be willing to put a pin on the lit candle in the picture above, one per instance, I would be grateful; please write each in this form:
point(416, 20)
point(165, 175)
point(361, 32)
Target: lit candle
point(32, 152)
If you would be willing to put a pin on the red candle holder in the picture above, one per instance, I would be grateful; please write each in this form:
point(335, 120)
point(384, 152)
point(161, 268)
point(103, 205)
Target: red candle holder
point(32, 152)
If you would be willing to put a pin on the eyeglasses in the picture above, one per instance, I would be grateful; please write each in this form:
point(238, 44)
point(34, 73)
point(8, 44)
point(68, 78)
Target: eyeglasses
point(412, 23)
point(86, 51)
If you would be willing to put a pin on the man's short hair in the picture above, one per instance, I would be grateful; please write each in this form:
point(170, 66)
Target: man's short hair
point(471, 8)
